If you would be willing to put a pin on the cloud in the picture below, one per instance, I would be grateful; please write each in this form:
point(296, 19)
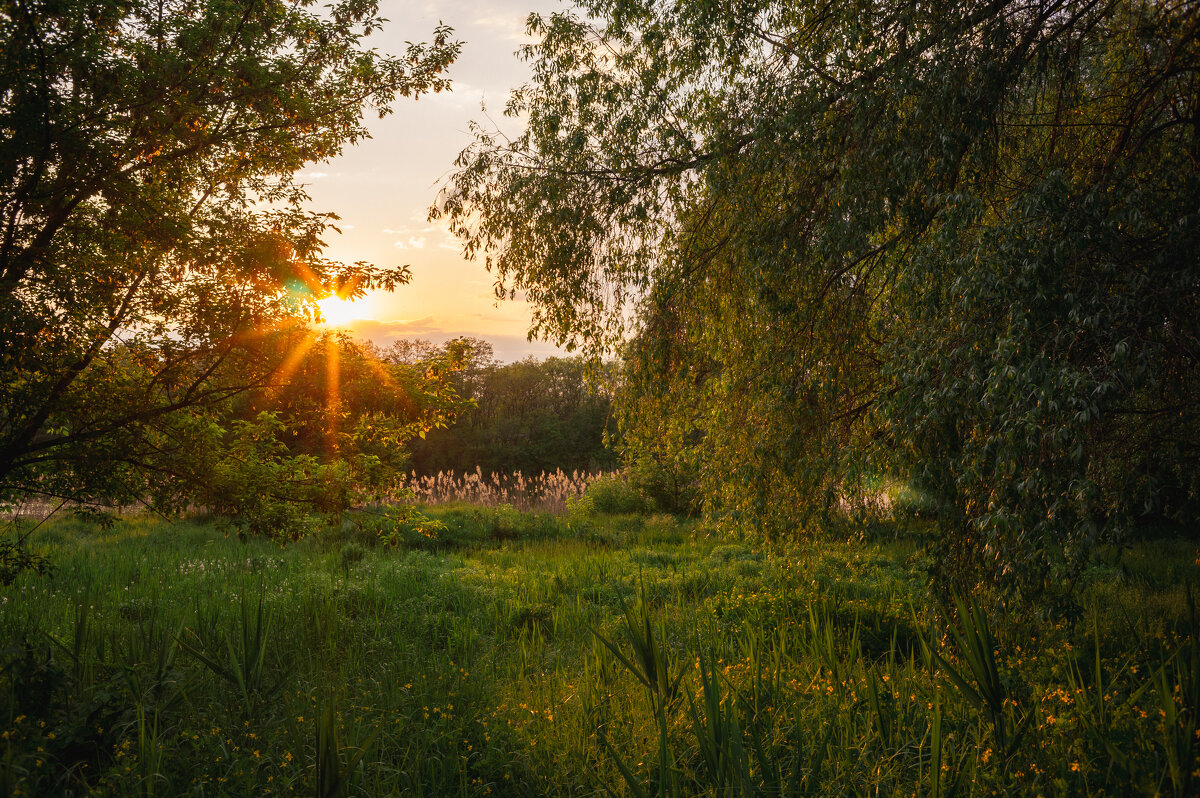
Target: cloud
point(374, 330)
point(314, 175)
point(414, 240)
point(507, 27)
point(508, 348)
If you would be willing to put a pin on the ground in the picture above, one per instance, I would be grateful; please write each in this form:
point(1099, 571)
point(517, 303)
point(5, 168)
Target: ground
point(509, 653)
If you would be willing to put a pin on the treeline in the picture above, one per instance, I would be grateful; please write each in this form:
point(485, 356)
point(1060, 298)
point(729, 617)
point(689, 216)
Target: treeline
point(529, 416)
point(318, 422)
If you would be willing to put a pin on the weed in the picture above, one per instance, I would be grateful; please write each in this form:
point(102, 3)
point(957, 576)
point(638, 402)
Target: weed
point(242, 664)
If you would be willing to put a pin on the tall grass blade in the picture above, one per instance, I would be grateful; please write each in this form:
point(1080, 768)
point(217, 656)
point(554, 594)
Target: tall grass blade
point(332, 776)
point(983, 690)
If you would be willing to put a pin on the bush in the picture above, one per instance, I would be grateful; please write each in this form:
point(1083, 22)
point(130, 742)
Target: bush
point(352, 554)
point(615, 495)
point(401, 525)
point(669, 483)
point(15, 559)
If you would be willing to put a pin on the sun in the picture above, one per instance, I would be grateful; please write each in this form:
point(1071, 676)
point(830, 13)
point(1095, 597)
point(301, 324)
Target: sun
point(338, 312)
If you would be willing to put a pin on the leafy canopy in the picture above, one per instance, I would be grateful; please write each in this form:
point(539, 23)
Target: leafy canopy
point(155, 256)
point(955, 243)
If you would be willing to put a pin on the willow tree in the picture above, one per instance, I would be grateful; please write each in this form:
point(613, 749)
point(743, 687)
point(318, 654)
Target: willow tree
point(156, 258)
point(955, 242)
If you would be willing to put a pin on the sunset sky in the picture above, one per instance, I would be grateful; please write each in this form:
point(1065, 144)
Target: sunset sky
point(383, 187)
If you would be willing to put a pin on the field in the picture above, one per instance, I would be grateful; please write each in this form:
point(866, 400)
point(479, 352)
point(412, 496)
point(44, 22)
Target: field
point(501, 652)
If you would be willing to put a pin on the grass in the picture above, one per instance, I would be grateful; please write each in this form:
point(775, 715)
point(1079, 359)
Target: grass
point(497, 652)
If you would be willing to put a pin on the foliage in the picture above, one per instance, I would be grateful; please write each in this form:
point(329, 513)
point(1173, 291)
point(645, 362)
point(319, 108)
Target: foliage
point(16, 559)
point(529, 416)
point(660, 434)
point(285, 460)
point(330, 436)
point(613, 494)
point(156, 257)
point(248, 478)
point(955, 244)
point(340, 397)
point(404, 526)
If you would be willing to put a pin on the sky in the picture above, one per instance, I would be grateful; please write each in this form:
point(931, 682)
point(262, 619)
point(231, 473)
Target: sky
point(382, 187)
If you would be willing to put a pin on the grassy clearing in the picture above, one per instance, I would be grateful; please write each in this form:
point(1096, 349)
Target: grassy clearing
point(505, 653)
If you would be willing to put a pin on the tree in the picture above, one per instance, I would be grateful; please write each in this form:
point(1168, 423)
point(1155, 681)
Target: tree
point(329, 433)
point(529, 416)
point(957, 243)
point(155, 257)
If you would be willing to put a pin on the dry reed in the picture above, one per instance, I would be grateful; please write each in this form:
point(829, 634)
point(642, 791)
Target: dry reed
point(547, 491)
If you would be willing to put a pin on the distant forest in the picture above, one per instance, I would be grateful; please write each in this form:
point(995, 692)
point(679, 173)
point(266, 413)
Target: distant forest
point(528, 416)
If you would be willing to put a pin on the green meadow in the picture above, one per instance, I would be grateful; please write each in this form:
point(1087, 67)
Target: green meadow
point(511, 653)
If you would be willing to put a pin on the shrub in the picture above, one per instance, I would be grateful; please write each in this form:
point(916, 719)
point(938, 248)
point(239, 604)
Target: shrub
point(614, 494)
point(400, 525)
point(352, 554)
point(672, 487)
point(15, 559)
